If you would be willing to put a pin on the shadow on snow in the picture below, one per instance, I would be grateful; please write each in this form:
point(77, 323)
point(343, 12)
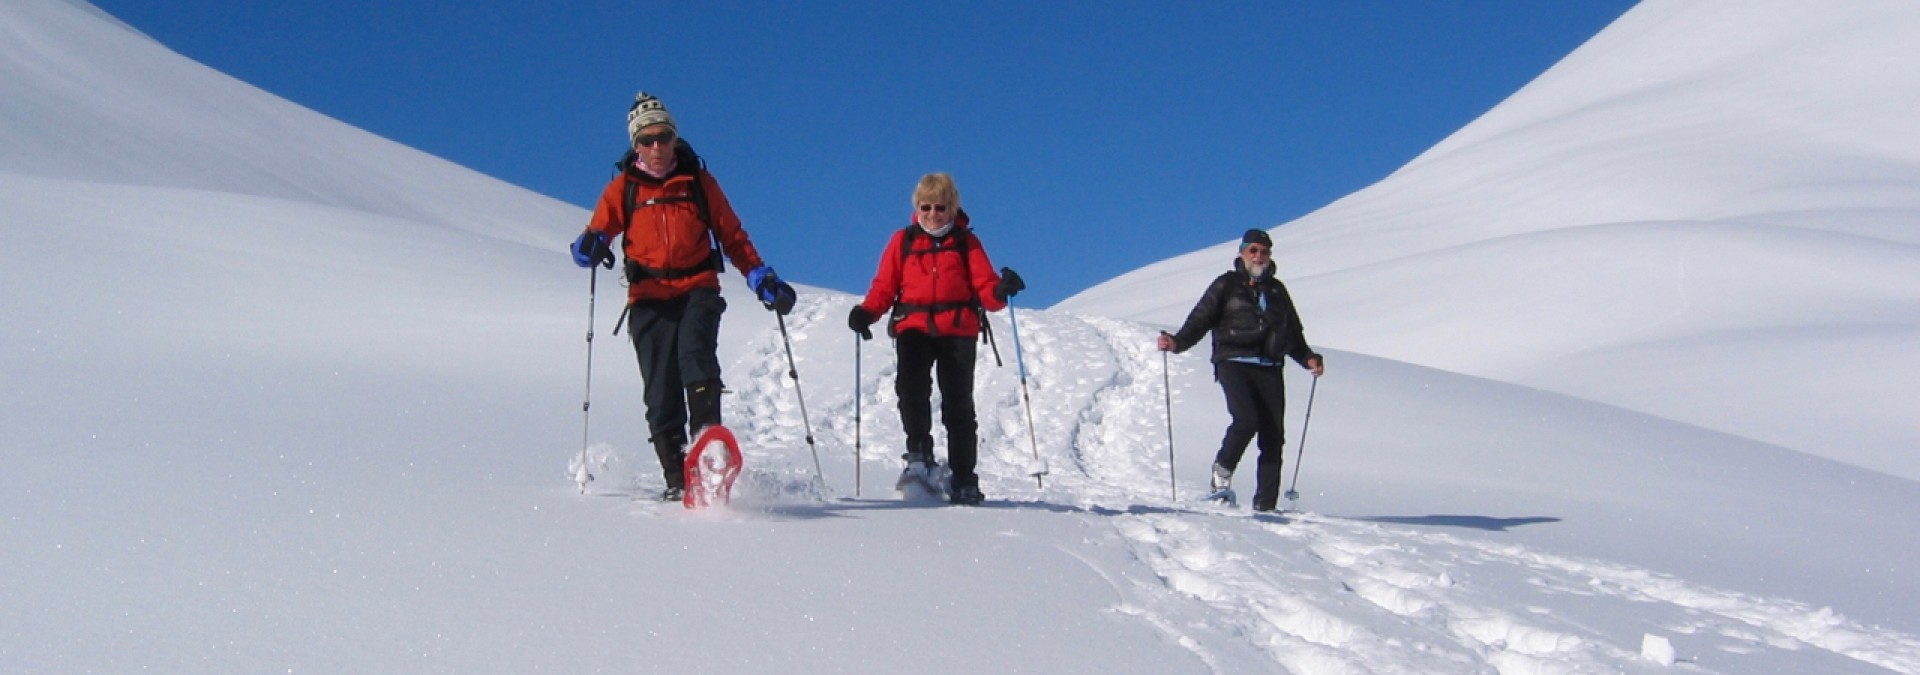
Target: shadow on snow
point(1488, 523)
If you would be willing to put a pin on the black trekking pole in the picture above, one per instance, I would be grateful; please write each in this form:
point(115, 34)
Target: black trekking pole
point(794, 373)
point(1166, 383)
point(1292, 494)
point(581, 475)
point(1039, 468)
point(856, 415)
point(987, 326)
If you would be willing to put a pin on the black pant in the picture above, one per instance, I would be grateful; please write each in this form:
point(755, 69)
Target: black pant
point(677, 342)
point(1257, 401)
point(921, 357)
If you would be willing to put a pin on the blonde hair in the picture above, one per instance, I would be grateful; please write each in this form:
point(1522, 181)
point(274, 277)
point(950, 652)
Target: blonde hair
point(936, 188)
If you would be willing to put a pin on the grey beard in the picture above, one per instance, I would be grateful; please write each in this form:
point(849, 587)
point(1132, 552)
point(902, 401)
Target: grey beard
point(1258, 271)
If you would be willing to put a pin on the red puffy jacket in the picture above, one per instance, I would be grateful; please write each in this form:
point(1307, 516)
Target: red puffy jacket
point(665, 231)
point(933, 287)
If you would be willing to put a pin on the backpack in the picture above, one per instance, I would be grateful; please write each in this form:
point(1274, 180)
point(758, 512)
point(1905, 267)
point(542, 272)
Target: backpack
point(697, 194)
point(901, 310)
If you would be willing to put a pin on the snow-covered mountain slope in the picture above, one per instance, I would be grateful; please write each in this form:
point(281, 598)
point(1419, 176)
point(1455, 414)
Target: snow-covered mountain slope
point(127, 111)
point(1705, 213)
point(245, 430)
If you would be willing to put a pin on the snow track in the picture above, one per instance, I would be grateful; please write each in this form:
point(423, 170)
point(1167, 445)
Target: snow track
point(300, 402)
point(1308, 591)
point(1314, 591)
point(1244, 593)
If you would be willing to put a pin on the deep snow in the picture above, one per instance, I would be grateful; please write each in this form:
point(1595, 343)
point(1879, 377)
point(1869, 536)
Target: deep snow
point(310, 405)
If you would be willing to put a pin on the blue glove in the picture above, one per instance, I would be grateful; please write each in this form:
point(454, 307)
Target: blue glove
point(590, 249)
point(772, 292)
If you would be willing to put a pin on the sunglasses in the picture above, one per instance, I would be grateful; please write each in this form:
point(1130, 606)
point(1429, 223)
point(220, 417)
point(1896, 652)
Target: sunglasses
point(1256, 250)
point(936, 208)
point(650, 140)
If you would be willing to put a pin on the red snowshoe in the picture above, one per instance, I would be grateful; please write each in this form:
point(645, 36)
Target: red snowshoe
point(713, 461)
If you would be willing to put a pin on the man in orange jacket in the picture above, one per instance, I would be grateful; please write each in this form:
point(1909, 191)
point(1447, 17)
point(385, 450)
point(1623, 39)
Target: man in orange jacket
point(675, 223)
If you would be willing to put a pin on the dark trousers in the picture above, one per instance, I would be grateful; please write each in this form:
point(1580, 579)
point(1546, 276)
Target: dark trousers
point(1257, 401)
point(677, 342)
point(921, 358)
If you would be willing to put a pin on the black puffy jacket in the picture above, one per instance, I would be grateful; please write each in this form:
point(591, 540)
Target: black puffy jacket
point(1231, 309)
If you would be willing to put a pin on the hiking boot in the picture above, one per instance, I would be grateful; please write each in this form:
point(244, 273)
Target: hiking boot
point(1222, 477)
point(703, 404)
point(921, 461)
point(673, 494)
point(967, 495)
point(671, 450)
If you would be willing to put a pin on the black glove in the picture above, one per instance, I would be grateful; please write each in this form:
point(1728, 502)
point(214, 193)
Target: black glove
point(783, 298)
point(859, 319)
point(1010, 284)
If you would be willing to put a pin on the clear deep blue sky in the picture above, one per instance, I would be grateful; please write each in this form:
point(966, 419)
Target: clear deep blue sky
point(1087, 138)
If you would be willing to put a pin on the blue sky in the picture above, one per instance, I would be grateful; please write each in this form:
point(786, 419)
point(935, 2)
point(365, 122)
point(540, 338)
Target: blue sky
point(1087, 139)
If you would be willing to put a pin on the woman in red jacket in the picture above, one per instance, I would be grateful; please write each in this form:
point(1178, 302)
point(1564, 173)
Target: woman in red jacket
point(674, 224)
point(937, 281)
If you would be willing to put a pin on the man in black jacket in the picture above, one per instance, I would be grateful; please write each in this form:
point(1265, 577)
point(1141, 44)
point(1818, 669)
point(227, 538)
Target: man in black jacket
point(1254, 327)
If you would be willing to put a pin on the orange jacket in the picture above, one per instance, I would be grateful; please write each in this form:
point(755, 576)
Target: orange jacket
point(669, 235)
point(936, 289)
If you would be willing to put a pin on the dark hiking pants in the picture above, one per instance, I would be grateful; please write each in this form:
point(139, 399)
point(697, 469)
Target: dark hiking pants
point(1257, 401)
point(921, 358)
point(677, 342)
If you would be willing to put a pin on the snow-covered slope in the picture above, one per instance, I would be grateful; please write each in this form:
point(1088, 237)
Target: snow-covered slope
point(128, 111)
point(294, 416)
point(1705, 213)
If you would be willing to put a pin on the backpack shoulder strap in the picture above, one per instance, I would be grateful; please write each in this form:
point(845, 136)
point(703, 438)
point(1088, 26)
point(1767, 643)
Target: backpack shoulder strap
point(959, 246)
point(631, 190)
point(906, 245)
point(697, 193)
